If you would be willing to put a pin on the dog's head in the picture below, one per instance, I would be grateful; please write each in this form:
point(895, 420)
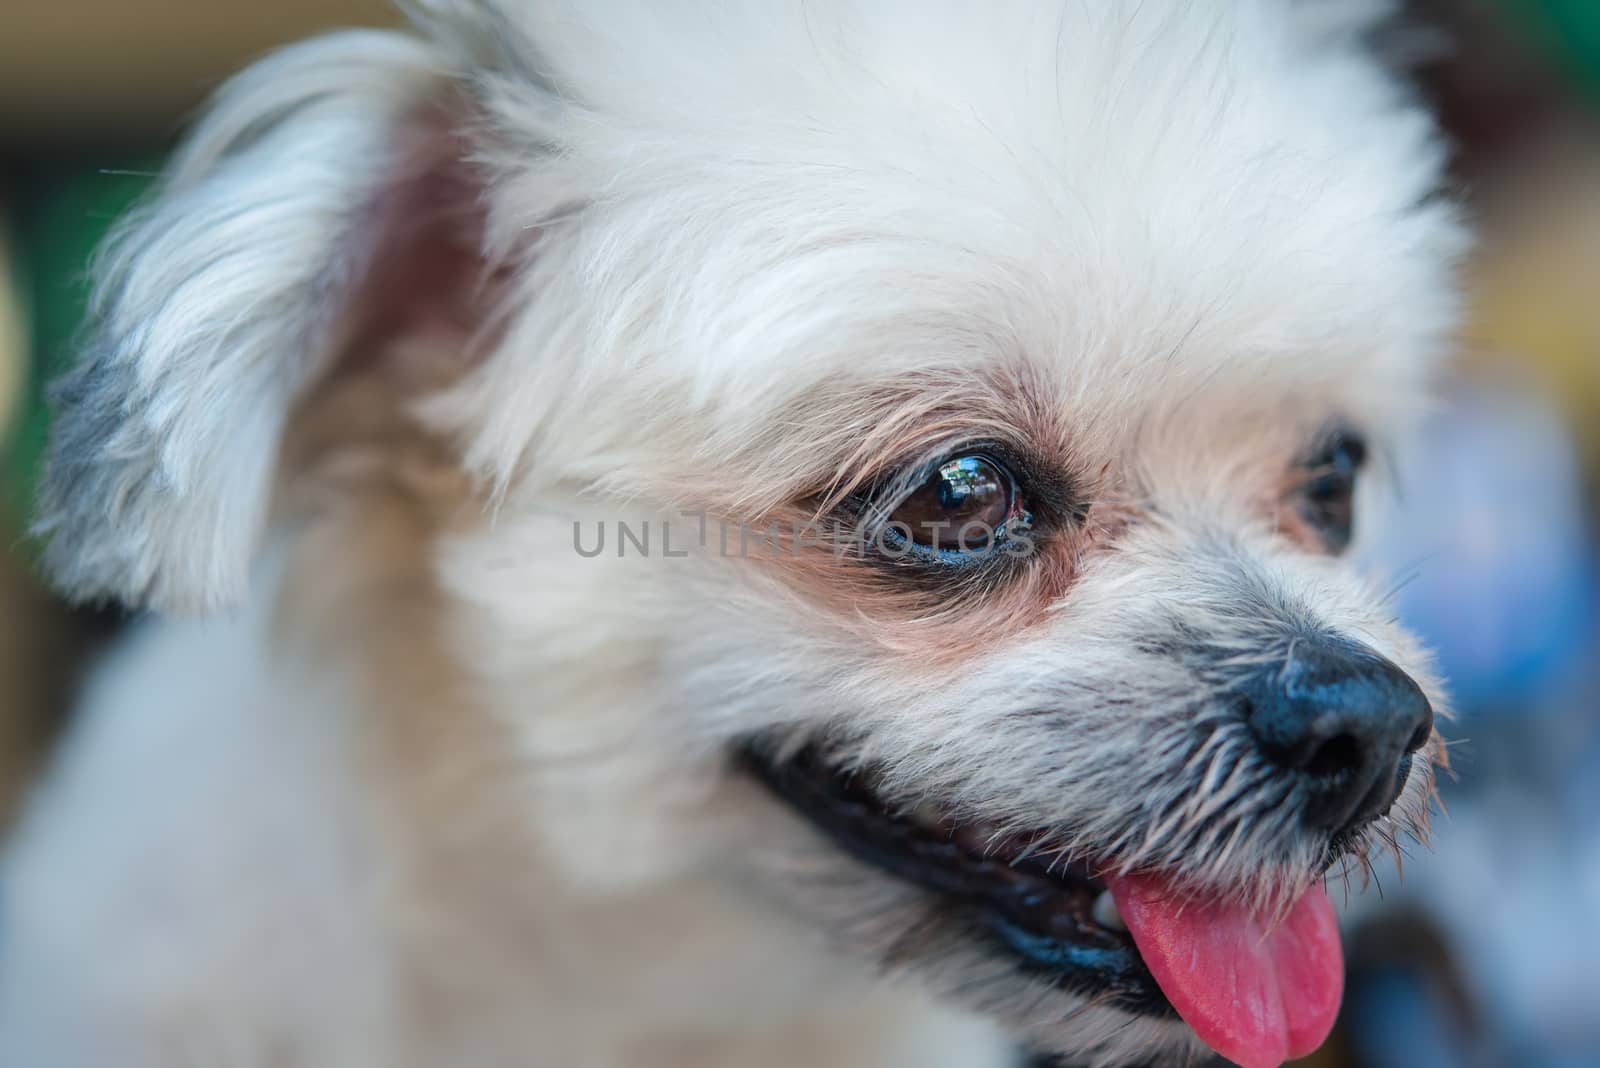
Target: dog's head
point(1002, 387)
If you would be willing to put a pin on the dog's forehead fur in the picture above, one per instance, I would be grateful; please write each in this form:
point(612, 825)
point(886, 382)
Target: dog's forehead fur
point(794, 207)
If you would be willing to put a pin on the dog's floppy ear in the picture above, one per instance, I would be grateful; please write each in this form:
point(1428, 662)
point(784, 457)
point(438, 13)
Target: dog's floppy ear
point(318, 200)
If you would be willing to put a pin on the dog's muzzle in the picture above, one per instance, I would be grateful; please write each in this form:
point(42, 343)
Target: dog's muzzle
point(1329, 731)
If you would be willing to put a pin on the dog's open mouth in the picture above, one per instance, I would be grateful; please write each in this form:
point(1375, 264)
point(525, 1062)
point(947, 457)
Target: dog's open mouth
point(1257, 990)
point(1056, 916)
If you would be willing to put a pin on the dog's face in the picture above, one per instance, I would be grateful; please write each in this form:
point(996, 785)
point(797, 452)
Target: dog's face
point(1010, 383)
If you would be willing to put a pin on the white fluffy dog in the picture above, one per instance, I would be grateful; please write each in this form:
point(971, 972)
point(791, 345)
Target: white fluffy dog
point(739, 533)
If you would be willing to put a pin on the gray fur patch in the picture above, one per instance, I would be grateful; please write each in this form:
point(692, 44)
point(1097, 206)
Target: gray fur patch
point(215, 308)
point(97, 504)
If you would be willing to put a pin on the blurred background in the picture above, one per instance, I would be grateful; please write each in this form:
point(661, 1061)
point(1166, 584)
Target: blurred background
point(1487, 951)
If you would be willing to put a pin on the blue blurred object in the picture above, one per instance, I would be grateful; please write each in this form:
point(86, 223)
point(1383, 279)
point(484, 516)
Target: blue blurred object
point(1399, 1023)
point(1493, 548)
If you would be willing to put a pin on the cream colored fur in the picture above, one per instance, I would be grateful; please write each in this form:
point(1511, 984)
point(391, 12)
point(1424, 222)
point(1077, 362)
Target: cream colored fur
point(394, 777)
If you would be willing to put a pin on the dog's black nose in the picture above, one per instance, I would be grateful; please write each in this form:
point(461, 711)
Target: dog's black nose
point(1346, 721)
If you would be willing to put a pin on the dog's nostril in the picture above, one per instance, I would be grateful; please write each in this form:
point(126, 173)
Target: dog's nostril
point(1336, 756)
point(1343, 720)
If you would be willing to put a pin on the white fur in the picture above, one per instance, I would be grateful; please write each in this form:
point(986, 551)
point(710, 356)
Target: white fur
point(439, 790)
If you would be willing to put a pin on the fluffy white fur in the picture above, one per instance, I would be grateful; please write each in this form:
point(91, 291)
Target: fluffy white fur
point(426, 787)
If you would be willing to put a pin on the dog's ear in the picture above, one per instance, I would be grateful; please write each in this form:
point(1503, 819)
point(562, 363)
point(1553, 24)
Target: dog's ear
point(324, 199)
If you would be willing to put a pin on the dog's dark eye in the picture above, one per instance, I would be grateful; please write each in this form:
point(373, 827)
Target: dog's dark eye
point(963, 506)
point(1327, 498)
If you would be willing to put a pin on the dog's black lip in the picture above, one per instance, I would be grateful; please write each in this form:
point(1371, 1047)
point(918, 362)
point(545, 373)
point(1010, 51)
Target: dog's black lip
point(1037, 908)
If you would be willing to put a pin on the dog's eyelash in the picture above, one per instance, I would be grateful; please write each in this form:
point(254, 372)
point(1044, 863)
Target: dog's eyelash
point(1043, 501)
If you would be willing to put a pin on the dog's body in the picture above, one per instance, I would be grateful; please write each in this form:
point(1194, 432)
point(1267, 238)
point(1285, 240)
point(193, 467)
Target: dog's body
point(437, 786)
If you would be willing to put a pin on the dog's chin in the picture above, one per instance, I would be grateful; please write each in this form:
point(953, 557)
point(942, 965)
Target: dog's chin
point(1005, 920)
point(1021, 934)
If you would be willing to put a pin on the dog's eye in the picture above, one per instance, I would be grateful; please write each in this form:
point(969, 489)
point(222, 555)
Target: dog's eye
point(963, 506)
point(1327, 498)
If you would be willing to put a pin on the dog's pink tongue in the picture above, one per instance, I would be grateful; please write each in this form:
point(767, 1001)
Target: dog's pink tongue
point(1257, 994)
